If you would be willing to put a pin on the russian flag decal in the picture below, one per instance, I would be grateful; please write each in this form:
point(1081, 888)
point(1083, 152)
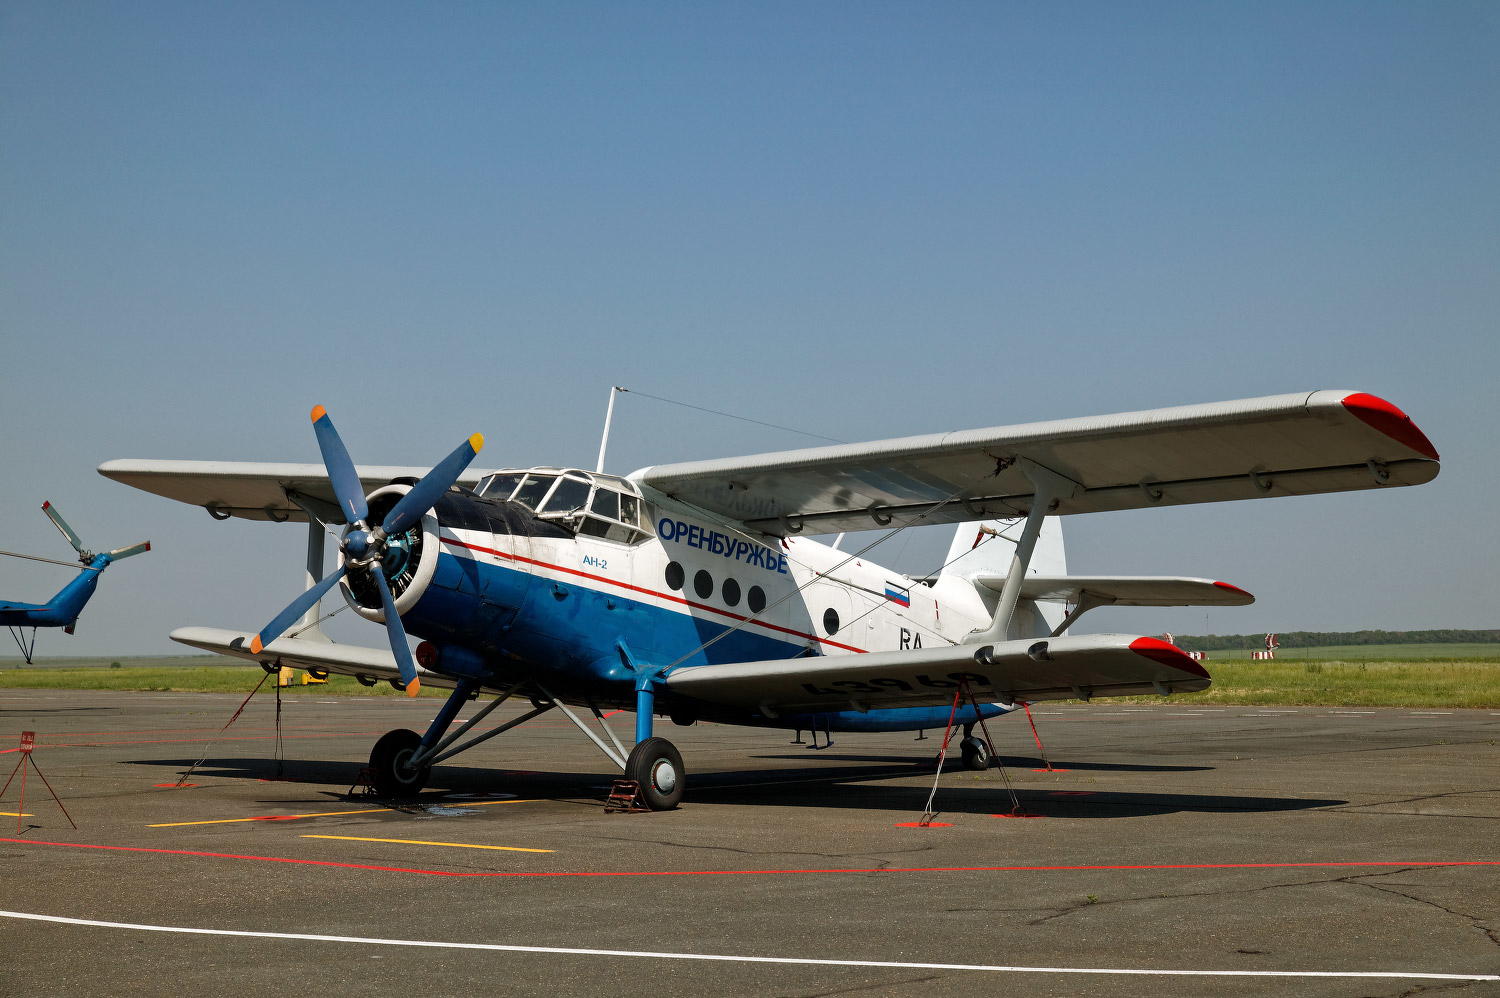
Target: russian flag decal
point(898, 596)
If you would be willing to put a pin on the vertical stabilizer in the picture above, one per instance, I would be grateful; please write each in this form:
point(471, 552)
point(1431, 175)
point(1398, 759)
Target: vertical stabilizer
point(986, 547)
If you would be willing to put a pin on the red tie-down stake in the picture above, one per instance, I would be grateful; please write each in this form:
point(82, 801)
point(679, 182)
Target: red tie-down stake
point(28, 742)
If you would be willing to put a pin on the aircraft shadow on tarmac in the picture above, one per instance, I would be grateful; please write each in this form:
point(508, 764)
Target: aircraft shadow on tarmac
point(842, 786)
point(1010, 762)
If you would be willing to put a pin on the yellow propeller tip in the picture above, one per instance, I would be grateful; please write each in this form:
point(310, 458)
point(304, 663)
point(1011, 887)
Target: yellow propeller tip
point(318, 413)
point(255, 645)
point(413, 687)
point(476, 442)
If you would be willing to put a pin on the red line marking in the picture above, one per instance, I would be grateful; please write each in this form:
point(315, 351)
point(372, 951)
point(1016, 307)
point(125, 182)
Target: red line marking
point(647, 592)
point(739, 873)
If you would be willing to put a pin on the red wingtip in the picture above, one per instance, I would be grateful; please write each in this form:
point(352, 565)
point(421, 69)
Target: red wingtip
point(1158, 650)
point(1381, 415)
point(148, 545)
point(47, 504)
point(1233, 589)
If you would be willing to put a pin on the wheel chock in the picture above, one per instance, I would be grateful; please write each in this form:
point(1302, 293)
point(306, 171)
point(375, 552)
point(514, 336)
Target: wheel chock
point(624, 797)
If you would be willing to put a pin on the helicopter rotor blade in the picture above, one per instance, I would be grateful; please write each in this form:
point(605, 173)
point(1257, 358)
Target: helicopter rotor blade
point(51, 561)
point(129, 550)
point(67, 531)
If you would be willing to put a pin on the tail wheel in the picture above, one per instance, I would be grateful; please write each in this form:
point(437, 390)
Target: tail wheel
point(393, 777)
point(976, 753)
point(657, 766)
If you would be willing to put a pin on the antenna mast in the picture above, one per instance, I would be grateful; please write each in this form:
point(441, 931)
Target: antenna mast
point(608, 415)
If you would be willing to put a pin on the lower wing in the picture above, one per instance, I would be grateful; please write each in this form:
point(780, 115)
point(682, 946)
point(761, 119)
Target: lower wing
point(1009, 671)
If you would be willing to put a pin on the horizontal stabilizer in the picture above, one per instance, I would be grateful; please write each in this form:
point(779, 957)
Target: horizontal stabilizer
point(1124, 590)
point(1046, 669)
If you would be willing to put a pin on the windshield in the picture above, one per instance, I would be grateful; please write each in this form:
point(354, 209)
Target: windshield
point(569, 495)
point(500, 486)
point(531, 491)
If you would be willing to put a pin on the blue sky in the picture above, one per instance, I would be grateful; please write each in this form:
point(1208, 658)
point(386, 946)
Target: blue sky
point(862, 219)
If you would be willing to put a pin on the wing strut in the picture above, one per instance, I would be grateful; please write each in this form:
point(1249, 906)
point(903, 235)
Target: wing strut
point(1048, 487)
point(1086, 602)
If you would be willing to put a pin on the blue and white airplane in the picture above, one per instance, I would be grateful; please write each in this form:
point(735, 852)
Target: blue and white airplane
point(695, 591)
point(63, 609)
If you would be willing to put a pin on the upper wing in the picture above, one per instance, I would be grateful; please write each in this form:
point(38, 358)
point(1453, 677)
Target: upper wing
point(1048, 669)
point(1326, 441)
point(254, 490)
point(1125, 590)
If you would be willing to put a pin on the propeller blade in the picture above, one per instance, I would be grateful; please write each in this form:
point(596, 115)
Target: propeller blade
point(397, 634)
point(341, 473)
point(126, 552)
point(67, 531)
point(51, 561)
point(286, 618)
point(432, 486)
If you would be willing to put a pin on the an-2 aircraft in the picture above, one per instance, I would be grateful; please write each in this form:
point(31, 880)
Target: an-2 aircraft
point(695, 591)
point(63, 609)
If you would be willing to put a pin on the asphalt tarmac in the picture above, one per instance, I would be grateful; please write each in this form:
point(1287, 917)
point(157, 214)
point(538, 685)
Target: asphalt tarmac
point(1170, 850)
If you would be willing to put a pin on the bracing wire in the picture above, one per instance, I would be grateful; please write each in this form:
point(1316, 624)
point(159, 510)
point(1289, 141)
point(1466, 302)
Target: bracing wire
point(730, 415)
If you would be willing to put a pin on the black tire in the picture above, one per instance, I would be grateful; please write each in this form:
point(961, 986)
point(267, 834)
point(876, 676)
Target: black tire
point(976, 753)
point(657, 766)
point(388, 759)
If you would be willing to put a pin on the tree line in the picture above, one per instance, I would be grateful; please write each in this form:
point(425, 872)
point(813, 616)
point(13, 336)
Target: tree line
point(1322, 639)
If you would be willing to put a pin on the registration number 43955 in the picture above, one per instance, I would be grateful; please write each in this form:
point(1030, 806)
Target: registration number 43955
point(843, 687)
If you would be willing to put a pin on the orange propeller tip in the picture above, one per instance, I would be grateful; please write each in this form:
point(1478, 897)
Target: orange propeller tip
point(255, 645)
point(413, 687)
point(476, 442)
point(318, 413)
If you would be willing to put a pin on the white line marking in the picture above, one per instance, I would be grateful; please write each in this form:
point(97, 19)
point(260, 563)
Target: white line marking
point(726, 958)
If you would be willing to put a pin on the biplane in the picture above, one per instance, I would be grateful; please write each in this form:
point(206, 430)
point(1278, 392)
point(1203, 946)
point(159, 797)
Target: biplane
point(698, 591)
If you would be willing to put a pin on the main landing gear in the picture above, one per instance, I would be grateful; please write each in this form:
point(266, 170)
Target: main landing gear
point(403, 760)
point(976, 754)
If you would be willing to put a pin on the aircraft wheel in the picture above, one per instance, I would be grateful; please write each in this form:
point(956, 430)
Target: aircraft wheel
point(657, 766)
point(976, 753)
point(388, 758)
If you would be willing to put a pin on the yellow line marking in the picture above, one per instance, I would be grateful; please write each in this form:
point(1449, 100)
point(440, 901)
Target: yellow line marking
point(331, 814)
point(419, 842)
point(17, 814)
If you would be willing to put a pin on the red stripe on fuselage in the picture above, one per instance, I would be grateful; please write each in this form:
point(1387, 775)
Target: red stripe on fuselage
point(646, 592)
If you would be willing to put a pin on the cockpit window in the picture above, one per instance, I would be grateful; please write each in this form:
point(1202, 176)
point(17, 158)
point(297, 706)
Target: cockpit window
point(570, 495)
point(583, 502)
point(500, 486)
point(606, 503)
point(533, 489)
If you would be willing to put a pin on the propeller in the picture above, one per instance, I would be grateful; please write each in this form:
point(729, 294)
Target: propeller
point(85, 556)
point(363, 546)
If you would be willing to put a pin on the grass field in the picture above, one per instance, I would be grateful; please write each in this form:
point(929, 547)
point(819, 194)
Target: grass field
point(1331, 680)
point(194, 677)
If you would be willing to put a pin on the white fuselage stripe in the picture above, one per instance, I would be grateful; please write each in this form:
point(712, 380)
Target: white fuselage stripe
point(729, 958)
